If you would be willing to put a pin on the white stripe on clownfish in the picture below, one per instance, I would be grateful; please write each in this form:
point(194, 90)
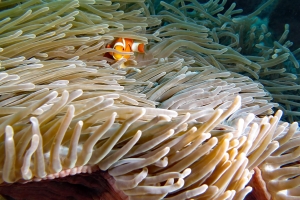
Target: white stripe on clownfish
point(120, 44)
point(137, 47)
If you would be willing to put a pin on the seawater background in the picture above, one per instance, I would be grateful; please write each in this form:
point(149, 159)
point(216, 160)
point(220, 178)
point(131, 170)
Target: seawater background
point(275, 16)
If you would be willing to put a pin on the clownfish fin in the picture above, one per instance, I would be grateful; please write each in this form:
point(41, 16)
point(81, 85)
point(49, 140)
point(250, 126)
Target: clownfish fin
point(128, 42)
point(138, 47)
point(128, 48)
point(118, 56)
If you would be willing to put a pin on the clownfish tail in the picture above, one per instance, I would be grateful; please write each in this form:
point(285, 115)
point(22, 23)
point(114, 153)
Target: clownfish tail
point(141, 48)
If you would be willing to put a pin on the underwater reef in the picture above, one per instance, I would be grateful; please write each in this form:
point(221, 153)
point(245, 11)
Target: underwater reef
point(139, 99)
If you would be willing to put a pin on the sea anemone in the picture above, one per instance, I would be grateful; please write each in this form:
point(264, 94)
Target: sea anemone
point(184, 120)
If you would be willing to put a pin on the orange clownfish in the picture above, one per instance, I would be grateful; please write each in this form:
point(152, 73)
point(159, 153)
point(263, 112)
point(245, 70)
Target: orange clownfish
point(125, 45)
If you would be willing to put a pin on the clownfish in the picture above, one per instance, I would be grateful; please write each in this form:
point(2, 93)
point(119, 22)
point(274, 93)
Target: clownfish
point(125, 45)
